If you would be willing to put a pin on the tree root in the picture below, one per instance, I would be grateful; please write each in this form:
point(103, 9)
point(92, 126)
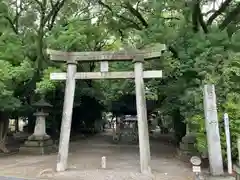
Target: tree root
point(3, 148)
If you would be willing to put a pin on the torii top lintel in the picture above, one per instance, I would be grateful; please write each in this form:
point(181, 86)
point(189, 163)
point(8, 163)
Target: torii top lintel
point(102, 55)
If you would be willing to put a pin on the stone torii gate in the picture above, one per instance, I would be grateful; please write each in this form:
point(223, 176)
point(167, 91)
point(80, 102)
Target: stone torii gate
point(72, 58)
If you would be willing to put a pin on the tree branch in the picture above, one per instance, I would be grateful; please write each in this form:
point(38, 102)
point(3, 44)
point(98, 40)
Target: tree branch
point(105, 5)
point(51, 16)
point(222, 8)
point(132, 23)
point(135, 25)
point(137, 5)
point(39, 3)
point(209, 12)
point(10, 21)
point(232, 16)
point(18, 14)
point(52, 3)
point(197, 18)
point(121, 34)
point(136, 14)
point(14, 22)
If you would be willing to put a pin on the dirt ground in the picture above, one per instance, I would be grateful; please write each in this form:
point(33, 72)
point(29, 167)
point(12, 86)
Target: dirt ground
point(85, 161)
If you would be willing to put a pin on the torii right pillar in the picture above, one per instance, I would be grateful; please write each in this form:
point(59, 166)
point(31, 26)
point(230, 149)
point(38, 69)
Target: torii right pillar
point(144, 146)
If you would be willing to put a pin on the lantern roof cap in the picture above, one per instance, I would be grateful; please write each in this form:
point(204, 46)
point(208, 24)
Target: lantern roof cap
point(42, 103)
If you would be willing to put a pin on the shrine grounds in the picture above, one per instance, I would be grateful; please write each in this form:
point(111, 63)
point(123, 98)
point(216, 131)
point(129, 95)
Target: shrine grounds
point(85, 162)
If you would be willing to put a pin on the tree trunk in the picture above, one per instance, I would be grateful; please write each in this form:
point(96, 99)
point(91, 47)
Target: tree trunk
point(4, 124)
point(31, 123)
point(16, 124)
point(179, 125)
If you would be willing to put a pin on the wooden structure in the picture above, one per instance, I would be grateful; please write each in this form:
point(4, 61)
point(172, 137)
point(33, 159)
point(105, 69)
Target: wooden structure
point(124, 110)
point(126, 127)
point(71, 58)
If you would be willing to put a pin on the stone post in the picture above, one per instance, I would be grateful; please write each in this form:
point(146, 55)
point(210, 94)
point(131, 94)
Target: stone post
point(144, 146)
point(213, 137)
point(66, 117)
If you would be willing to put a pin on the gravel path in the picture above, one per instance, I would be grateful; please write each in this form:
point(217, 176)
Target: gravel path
point(85, 160)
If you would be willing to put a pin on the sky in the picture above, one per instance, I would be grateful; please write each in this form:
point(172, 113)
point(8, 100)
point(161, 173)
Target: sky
point(211, 5)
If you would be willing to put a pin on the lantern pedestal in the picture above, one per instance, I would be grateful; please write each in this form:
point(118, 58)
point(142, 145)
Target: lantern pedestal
point(39, 142)
point(187, 148)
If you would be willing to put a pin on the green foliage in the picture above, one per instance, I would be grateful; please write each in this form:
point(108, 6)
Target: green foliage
point(46, 85)
point(7, 101)
point(206, 59)
point(10, 76)
point(232, 106)
point(15, 69)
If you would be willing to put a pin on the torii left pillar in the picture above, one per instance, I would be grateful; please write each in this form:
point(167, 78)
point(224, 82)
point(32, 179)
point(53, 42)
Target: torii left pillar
point(66, 117)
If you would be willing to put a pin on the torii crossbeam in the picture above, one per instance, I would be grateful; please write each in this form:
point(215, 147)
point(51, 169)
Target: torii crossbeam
point(71, 58)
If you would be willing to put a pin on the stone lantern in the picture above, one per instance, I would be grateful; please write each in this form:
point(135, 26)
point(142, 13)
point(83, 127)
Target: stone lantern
point(39, 142)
